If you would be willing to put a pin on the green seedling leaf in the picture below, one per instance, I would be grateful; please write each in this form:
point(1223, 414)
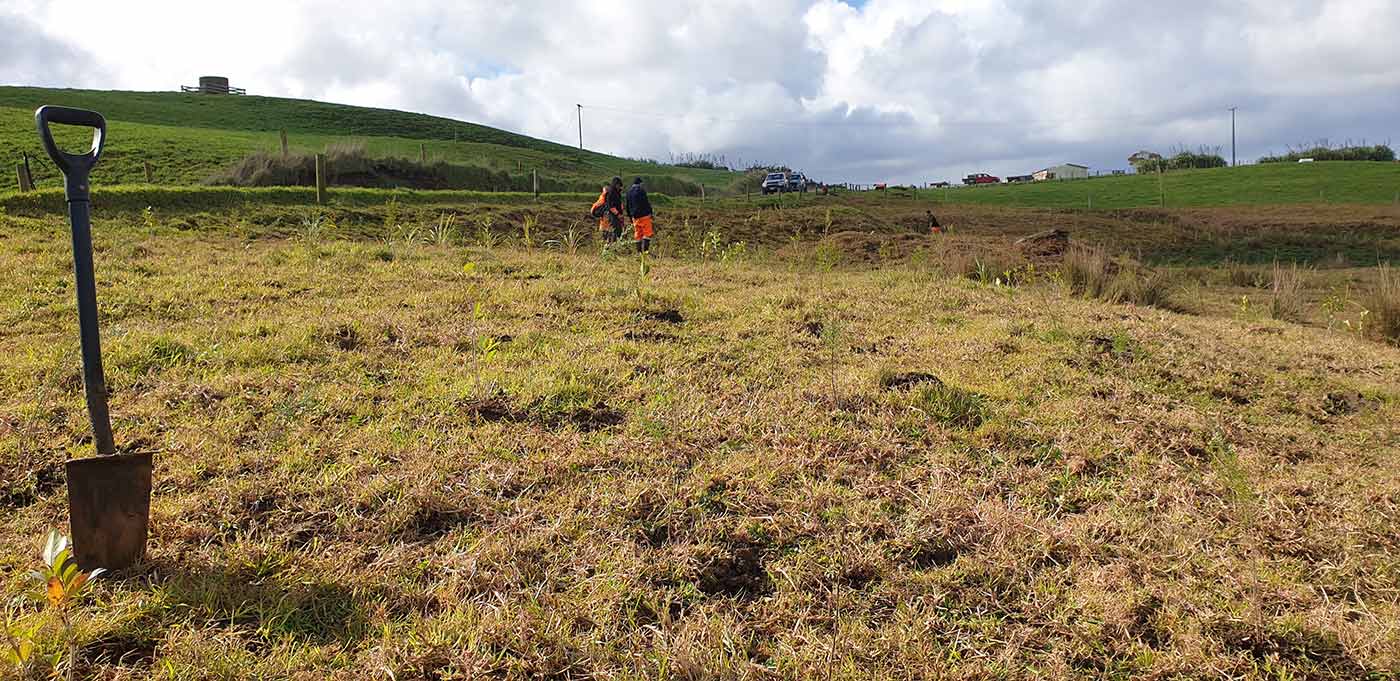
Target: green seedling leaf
point(53, 544)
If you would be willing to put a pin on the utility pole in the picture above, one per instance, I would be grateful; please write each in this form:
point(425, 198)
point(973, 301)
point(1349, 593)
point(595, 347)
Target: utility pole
point(1233, 162)
point(580, 126)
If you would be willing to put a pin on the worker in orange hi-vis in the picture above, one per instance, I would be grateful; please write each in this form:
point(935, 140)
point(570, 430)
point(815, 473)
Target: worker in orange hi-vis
point(933, 226)
point(608, 210)
point(639, 209)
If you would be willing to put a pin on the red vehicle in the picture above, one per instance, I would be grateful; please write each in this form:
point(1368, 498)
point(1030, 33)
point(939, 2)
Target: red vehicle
point(981, 178)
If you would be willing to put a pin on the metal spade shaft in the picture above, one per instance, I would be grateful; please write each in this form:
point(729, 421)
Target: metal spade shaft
point(76, 169)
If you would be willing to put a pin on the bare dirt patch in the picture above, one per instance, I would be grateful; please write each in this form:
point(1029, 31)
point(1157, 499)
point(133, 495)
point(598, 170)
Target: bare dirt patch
point(908, 379)
point(1307, 647)
point(737, 571)
point(501, 409)
point(1346, 403)
point(670, 316)
point(32, 486)
point(645, 336)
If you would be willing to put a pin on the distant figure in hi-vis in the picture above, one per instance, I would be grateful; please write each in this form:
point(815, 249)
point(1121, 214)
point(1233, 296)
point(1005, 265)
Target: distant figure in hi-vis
point(639, 209)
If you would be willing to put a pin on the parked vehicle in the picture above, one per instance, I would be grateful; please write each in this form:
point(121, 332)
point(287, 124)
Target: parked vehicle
point(797, 182)
point(981, 178)
point(775, 182)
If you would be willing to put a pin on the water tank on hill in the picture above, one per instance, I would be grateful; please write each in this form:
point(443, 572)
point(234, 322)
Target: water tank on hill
point(213, 85)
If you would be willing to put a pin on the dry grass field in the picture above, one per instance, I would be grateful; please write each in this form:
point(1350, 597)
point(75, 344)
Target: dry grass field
point(389, 445)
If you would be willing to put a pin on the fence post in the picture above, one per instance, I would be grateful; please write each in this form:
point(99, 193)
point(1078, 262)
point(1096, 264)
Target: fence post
point(422, 153)
point(320, 179)
point(28, 173)
point(283, 135)
point(535, 183)
point(25, 184)
point(150, 172)
point(702, 193)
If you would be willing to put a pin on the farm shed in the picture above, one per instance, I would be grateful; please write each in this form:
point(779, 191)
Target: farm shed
point(1067, 171)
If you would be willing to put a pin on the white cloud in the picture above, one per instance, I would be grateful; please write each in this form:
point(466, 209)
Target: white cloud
point(895, 90)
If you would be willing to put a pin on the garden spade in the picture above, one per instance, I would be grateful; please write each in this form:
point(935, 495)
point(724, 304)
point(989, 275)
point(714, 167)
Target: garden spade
point(109, 495)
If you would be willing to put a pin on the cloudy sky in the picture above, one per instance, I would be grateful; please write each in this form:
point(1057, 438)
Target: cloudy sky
point(882, 90)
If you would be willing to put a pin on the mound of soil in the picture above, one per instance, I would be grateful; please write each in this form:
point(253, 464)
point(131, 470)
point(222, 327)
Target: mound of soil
point(1291, 646)
point(596, 417)
point(668, 316)
point(872, 247)
point(737, 572)
point(31, 486)
point(933, 554)
point(500, 409)
point(907, 379)
point(428, 523)
point(649, 336)
point(1048, 244)
point(122, 650)
point(1344, 403)
point(494, 409)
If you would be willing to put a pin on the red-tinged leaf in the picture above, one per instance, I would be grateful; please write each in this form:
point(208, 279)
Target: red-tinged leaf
point(55, 591)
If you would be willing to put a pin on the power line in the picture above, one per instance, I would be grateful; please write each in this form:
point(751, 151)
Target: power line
point(942, 122)
point(723, 119)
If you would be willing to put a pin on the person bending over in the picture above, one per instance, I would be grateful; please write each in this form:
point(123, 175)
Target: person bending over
point(608, 210)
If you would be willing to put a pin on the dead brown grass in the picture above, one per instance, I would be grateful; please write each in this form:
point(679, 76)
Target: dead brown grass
point(1089, 272)
point(1286, 293)
point(652, 482)
point(1382, 301)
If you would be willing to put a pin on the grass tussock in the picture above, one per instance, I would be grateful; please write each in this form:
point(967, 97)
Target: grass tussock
point(1382, 303)
point(952, 405)
point(969, 260)
point(1089, 272)
point(1236, 273)
point(1150, 288)
point(1286, 301)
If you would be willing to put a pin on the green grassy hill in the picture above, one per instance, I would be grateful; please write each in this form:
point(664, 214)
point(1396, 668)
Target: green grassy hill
point(189, 138)
point(1280, 183)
